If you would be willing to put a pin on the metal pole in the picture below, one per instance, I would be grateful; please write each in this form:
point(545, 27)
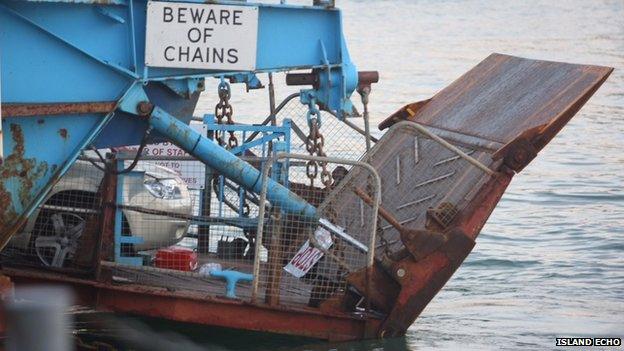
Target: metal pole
point(364, 94)
point(106, 241)
point(272, 115)
point(274, 261)
point(272, 99)
point(203, 230)
point(260, 231)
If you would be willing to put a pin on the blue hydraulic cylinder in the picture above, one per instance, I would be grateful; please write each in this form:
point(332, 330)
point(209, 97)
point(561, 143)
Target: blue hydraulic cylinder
point(228, 164)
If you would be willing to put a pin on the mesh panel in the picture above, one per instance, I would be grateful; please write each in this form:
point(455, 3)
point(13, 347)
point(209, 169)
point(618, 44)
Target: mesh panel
point(307, 262)
point(340, 140)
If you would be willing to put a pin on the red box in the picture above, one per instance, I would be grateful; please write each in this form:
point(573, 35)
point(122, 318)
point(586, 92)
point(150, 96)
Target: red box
point(176, 257)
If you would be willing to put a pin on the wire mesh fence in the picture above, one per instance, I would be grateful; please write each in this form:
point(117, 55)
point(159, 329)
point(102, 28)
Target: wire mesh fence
point(175, 220)
point(341, 141)
point(222, 235)
point(309, 257)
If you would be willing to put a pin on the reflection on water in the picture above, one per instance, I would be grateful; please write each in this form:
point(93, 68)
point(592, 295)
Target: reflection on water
point(550, 260)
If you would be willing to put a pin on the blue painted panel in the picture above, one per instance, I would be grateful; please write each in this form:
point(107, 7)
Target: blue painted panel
point(98, 33)
point(291, 38)
point(37, 68)
point(37, 150)
point(127, 129)
point(288, 37)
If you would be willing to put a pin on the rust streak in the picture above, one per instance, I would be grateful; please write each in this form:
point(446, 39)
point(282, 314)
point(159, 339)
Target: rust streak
point(27, 171)
point(23, 110)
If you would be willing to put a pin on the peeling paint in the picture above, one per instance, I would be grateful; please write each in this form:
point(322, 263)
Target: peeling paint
point(27, 171)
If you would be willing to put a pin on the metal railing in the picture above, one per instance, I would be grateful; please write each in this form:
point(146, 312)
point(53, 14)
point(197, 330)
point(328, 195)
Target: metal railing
point(423, 130)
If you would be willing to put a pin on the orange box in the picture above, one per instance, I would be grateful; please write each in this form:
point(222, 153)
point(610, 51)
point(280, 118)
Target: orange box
point(176, 257)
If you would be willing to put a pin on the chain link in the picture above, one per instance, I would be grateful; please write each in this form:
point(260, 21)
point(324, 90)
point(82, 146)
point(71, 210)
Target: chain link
point(224, 109)
point(315, 141)
point(384, 244)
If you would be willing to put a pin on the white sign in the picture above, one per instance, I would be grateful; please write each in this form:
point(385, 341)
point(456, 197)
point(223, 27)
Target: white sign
point(184, 35)
point(308, 256)
point(193, 173)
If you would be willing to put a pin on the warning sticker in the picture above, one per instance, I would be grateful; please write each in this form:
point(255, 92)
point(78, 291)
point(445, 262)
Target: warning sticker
point(308, 256)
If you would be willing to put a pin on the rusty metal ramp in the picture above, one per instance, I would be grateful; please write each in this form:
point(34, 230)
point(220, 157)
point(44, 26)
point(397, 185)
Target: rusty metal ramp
point(506, 100)
point(444, 165)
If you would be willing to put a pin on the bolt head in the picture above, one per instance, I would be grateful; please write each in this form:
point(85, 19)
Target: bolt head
point(400, 272)
point(144, 108)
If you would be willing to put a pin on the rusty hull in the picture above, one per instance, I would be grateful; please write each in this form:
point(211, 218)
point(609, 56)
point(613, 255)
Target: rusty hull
point(27, 171)
point(422, 279)
point(194, 307)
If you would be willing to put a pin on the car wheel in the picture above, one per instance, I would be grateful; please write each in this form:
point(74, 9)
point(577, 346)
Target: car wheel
point(57, 239)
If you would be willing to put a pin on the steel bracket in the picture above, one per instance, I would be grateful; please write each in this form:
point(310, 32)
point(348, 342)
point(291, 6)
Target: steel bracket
point(520, 152)
point(251, 80)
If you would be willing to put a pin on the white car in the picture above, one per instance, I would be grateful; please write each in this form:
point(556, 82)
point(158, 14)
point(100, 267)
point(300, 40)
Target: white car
point(54, 229)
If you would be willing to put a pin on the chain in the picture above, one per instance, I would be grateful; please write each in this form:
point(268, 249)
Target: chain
point(224, 109)
point(383, 241)
point(315, 141)
point(364, 92)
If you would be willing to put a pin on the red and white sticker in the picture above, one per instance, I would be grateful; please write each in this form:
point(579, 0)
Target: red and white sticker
point(308, 256)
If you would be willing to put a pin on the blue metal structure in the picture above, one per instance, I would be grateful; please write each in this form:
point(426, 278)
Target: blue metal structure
point(279, 136)
point(119, 238)
point(226, 163)
point(73, 75)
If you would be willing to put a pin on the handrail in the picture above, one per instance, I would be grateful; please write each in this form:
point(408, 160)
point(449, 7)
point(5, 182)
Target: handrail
point(421, 129)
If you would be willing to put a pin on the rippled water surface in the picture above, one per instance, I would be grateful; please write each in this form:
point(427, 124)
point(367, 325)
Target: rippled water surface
point(550, 261)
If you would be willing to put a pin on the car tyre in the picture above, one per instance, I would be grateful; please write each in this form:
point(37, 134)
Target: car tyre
point(57, 235)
